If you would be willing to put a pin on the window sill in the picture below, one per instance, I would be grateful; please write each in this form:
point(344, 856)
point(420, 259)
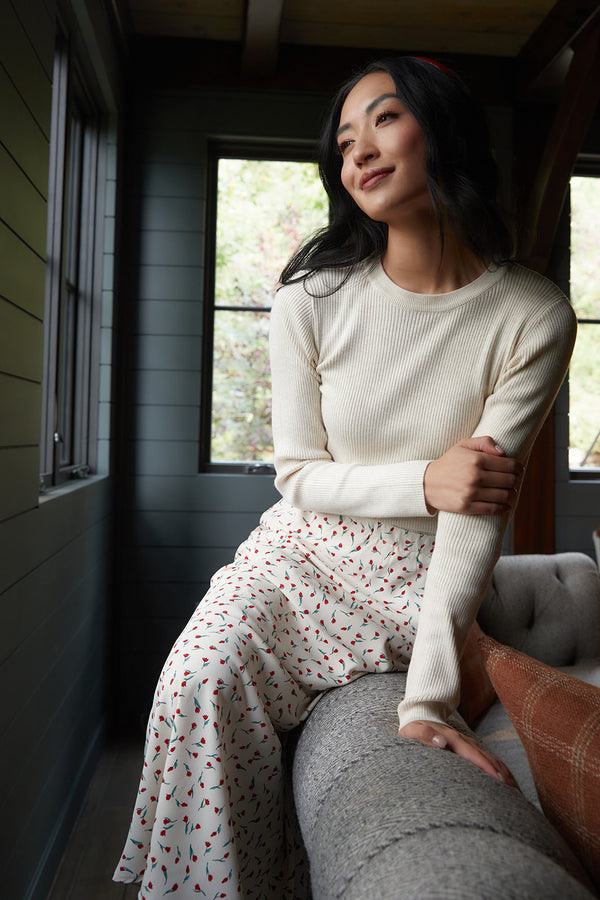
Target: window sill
point(584, 474)
point(238, 469)
point(69, 487)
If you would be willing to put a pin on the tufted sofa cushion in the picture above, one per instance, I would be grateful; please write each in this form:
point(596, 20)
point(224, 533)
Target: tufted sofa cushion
point(546, 606)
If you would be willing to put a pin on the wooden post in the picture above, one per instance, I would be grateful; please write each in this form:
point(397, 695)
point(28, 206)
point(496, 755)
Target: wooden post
point(552, 162)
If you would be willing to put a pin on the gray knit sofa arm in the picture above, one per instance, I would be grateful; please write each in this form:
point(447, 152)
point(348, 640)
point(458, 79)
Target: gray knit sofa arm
point(385, 818)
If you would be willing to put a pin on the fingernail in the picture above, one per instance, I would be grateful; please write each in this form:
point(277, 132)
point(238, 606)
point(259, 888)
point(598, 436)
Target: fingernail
point(498, 448)
point(438, 741)
point(500, 776)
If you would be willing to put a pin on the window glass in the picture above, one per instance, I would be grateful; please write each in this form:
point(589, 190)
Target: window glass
point(265, 208)
point(71, 278)
point(584, 373)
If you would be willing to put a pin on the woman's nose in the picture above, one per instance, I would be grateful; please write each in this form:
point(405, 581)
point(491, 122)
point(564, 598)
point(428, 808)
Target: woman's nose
point(363, 150)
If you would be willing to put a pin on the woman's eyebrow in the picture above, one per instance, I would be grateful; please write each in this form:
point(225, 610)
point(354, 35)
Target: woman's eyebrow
point(368, 109)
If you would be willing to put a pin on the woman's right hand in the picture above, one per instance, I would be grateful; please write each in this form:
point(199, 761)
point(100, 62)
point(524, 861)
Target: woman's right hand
point(474, 478)
point(447, 738)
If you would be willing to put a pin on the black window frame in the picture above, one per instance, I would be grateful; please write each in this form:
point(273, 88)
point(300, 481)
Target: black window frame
point(68, 446)
point(587, 165)
point(223, 148)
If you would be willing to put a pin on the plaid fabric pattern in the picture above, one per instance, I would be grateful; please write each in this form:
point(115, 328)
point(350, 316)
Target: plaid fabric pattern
point(557, 718)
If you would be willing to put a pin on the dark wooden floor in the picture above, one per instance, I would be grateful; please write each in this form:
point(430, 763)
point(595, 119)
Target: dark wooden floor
point(97, 840)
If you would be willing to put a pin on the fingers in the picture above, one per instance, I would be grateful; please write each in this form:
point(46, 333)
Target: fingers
point(495, 485)
point(501, 481)
point(483, 444)
point(505, 465)
point(446, 738)
point(486, 501)
point(494, 489)
point(467, 481)
point(483, 498)
point(496, 495)
point(494, 458)
point(506, 773)
point(470, 751)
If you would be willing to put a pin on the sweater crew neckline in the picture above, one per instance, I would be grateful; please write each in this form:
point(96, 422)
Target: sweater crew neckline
point(435, 302)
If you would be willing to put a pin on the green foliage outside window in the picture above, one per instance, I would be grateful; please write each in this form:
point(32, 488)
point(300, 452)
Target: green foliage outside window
point(584, 373)
point(265, 209)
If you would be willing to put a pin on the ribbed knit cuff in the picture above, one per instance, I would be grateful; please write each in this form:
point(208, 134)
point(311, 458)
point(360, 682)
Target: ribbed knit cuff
point(409, 711)
point(411, 487)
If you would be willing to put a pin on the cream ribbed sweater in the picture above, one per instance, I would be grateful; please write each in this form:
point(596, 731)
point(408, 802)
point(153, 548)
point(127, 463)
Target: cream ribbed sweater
point(372, 382)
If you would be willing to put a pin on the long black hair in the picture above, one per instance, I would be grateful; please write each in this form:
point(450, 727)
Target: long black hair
point(462, 174)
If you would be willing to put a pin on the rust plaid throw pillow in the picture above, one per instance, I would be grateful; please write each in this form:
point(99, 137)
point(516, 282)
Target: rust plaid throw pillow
point(557, 718)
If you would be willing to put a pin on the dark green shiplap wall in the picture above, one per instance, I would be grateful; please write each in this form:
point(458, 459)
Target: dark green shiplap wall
point(177, 526)
point(55, 554)
point(26, 51)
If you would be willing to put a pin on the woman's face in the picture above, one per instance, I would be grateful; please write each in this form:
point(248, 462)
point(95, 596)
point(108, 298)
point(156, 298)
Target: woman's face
point(383, 152)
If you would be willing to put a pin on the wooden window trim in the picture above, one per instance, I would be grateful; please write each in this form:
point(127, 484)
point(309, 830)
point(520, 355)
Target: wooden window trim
point(69, 412)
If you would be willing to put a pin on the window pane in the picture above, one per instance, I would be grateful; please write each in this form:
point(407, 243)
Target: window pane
point(241, 388)
point(584, 392)
point(66, 377)
point(73, 198)
point(584, 373)
point(585, 259)
point(265, 208)
point(67, 328)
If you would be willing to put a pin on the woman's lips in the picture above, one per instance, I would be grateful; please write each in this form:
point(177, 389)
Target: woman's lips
point(369, 179)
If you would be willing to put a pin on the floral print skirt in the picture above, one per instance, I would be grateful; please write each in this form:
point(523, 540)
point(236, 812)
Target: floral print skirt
point(310, 602)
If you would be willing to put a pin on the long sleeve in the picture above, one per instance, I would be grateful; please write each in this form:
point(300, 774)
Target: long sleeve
point(308, 476)
point(467, 547)
point(372, 382)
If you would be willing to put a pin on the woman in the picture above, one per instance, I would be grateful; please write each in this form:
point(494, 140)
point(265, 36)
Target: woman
point(412, 366)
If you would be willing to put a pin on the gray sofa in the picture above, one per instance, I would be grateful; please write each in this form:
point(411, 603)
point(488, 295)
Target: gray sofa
point(384, 818)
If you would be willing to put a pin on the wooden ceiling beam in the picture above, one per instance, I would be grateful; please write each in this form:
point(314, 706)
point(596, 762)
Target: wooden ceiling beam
point(173, 63)
point(547, 48)
point(261, 38)
point(122, 24)
point(579, 99)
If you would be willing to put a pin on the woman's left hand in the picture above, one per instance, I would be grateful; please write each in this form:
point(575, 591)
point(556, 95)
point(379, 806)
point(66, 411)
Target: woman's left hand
point(447, 738)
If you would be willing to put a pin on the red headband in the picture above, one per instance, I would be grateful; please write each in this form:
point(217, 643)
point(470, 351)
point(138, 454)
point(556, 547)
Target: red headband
point(438, 65)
